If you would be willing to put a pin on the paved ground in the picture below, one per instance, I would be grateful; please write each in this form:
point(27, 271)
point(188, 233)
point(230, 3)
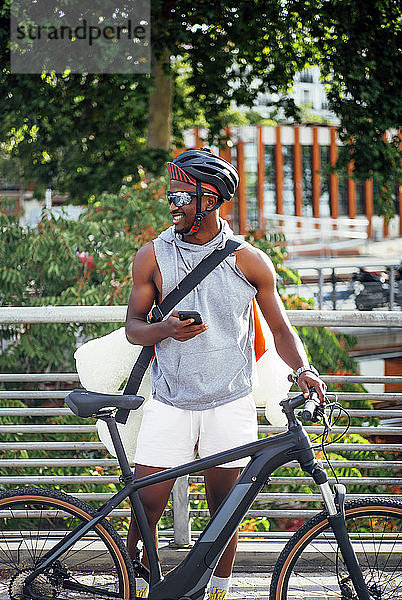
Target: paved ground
point(252, 576)
point(250, 586)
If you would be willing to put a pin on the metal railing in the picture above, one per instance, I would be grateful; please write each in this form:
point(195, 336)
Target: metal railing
point(280, 503)
point(332, 284)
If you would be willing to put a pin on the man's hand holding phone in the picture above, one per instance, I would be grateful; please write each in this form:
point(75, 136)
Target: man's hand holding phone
point(183, 325)
point(184, 315)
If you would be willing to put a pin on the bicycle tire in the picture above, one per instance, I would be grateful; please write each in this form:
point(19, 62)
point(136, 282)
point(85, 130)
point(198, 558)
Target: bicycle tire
point(31, 520)
point(311, 566)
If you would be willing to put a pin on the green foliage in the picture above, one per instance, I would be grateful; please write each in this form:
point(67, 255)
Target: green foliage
point(234, 51)
point(85, 132)
point(357, 46)
point(255, 524)
point(327, 351)
point(79, 133)
point(42, 266)
point(273, 244)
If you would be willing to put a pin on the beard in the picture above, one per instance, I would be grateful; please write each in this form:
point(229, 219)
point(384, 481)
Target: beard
point(183, 228)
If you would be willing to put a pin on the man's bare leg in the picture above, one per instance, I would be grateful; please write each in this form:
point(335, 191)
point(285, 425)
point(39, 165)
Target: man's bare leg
point(154, 499)
point(218, 483)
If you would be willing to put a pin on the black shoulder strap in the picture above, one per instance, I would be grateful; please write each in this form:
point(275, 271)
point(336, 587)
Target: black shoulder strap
point(187, 284)
point(191, 280)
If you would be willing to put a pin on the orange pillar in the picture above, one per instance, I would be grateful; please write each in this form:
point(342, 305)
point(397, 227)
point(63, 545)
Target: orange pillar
point(368, 200)
point(351, 192)
point(225, 152)
point(385, 226)
point(179, 150)
point(400, 190)
point(315, 167)
point(278, 171)
point(242, 188)
point(260, 177)
point(400, 207)
point(333, 177)
point(198, 141)
point(298, 173)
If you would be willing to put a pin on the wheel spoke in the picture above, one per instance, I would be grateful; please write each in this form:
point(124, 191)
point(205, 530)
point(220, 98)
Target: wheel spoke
point(374, 528)
point(391, 552)
point(314, 582)
point(76, 586)
point(32, 522)
point(357, 533)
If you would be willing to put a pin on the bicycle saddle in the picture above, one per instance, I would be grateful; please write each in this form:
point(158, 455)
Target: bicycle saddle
point(86, 404)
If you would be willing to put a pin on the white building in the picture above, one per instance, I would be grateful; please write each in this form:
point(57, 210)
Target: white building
point(308, 93)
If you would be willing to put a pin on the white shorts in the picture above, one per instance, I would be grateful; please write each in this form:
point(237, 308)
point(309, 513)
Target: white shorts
point(171, 436)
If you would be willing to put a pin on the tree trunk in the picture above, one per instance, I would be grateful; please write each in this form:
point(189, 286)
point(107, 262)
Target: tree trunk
point(160, 105)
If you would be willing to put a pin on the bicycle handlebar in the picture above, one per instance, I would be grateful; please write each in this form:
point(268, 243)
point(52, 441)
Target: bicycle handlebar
point(310, 408)
point(310, 405)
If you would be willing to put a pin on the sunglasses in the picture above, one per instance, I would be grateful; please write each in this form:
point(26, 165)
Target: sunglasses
point(179, 198)
point(182, 198)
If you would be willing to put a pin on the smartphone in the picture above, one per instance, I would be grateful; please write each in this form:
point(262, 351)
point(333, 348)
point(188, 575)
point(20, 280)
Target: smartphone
point(190, 314)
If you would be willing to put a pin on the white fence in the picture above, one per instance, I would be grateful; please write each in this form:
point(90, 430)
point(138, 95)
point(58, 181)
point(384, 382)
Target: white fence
point(276, 504)
point(324, 234)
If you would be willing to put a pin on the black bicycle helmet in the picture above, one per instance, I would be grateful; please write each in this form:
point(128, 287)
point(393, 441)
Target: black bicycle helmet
point(207, 167)
point(201, 166)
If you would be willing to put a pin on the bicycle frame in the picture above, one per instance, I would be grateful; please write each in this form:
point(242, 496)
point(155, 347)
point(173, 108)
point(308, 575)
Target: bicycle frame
point(190, 578)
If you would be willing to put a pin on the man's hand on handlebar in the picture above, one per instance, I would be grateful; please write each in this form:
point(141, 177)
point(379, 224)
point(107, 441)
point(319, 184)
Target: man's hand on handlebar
point(307, 380)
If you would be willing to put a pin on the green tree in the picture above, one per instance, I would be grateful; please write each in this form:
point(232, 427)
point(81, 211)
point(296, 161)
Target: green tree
point(358, 48)
point(81, 134)
point(81, 131)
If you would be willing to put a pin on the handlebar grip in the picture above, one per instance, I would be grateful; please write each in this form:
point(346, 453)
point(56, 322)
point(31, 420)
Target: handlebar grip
point(310, 406)
point(308, 410)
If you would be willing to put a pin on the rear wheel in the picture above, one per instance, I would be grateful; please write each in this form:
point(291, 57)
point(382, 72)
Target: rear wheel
point(311, 566)
point(32, 522)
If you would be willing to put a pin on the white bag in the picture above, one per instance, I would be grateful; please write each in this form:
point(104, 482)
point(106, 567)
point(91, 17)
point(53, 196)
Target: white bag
point(273, 385)
point(102, 366)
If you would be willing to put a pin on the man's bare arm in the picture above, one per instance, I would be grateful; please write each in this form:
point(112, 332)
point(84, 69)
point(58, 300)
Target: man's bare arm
point(259, 270)
point(143, 295)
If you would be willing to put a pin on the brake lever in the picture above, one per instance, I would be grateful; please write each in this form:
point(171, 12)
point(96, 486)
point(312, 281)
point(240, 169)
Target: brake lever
point(321, 414)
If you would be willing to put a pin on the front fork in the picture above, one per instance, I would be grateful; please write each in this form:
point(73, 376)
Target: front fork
point(335, 505)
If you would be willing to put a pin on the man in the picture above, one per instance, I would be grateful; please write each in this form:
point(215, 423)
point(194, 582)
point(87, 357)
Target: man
point(202, 375)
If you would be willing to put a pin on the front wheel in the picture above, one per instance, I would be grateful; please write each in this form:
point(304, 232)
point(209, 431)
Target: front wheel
point(32, 522)
point(311, 565)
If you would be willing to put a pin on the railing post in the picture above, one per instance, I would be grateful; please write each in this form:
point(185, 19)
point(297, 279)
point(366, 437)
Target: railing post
point(333, 280)
point(391, 287)
point(320, 286)
point(181, 513)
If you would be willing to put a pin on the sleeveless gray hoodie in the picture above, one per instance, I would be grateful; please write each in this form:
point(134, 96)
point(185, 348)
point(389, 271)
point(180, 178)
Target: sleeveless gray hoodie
point(218, 365)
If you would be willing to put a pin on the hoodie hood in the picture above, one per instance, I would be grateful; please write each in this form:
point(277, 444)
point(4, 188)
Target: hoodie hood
point(192, 254)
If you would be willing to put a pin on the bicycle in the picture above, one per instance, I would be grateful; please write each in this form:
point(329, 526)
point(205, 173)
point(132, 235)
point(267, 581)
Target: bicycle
point(46, 535)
